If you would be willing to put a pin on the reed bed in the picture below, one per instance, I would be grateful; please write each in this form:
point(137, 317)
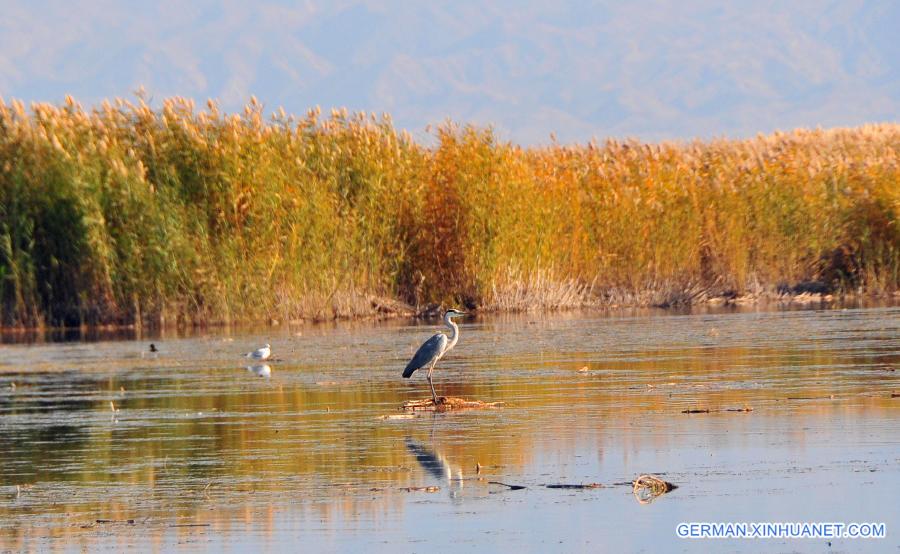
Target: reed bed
point(123, 213)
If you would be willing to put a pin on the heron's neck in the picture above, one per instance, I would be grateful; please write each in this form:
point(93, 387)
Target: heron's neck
point(454, 332)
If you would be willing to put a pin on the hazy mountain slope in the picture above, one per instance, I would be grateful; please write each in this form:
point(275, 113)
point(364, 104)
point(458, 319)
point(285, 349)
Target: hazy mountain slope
point(655, 70)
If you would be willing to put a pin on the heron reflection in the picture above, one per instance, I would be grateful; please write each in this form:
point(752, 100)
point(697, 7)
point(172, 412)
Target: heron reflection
point(437, 465)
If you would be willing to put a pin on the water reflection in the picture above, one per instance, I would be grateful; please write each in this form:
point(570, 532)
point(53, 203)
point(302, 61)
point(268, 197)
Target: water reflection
point(261, 370)
point(437, 465)
point(195, 439)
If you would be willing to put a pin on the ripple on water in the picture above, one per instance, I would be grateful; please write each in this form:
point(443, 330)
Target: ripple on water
point(101, 431)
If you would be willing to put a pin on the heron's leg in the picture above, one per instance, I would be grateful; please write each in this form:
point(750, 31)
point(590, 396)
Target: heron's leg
point(430, 382)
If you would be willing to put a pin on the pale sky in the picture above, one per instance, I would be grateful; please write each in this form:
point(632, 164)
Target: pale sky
point(652, 70)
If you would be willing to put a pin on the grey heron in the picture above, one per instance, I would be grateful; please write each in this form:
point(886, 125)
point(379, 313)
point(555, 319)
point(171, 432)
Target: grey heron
point(260, 353)
point(434, 349)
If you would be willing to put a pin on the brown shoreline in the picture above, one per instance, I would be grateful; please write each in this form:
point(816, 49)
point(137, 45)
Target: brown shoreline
point(400, 310)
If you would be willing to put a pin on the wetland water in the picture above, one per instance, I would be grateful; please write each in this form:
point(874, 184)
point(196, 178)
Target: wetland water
point(203, 452)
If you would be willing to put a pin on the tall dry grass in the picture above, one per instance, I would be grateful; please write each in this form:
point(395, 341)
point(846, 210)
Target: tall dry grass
point(124, 213)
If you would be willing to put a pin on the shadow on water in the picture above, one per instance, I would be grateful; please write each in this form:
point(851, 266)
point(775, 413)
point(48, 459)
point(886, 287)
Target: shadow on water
point(257, 455)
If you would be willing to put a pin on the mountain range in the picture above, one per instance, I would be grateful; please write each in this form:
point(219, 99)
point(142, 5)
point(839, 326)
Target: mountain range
point(533, 70)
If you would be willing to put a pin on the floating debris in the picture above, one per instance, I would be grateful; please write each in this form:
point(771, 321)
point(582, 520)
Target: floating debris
point(576, 487)
point(398, 416)
point(189, 525)
point(446, 403)
point(511, 487)
point(128, 521)
point(422, 489)
point(382, 469)
point(647, 488)
point(708, 411)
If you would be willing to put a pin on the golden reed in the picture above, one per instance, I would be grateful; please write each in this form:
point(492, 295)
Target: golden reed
point(123, 213)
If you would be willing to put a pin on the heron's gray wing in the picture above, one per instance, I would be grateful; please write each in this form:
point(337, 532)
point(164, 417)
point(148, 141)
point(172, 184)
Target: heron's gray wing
point(426, 353)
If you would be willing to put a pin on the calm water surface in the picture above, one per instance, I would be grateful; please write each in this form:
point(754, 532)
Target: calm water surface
point(204, 451)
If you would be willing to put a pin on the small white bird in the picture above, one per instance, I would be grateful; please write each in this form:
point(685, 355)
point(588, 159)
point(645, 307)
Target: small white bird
point(260, 353)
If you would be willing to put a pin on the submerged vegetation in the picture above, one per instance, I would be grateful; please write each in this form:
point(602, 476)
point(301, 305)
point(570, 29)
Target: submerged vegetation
point(124, 213)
